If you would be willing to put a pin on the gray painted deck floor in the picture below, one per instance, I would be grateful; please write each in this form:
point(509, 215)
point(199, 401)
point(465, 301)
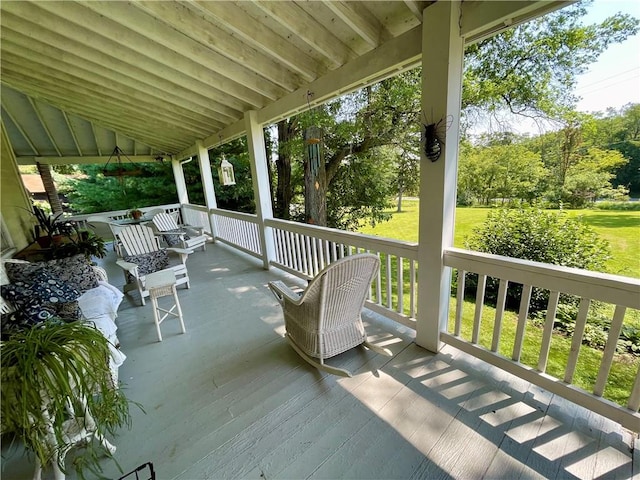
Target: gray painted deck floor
point(231, 399)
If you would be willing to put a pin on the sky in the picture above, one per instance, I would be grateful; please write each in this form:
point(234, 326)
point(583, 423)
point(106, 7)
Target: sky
point(614, 80)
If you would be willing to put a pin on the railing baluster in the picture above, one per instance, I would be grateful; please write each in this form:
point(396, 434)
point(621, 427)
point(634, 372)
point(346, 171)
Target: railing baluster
point(388, 279)
point(482, 283)
point(578, 332)
point(522, 322)
point(609, 350)
point(379, 286)
point(552, 307)
point(400, 285)
point(634, 398)
point(497, 326)
point(300, 253)
point(459, 302)
point(412, 295)
point(309, 254)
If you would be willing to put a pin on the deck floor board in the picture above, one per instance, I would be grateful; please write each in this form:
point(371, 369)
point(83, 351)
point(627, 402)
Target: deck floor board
point(231, 399)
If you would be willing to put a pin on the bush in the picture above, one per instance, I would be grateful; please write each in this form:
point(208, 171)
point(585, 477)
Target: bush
point(537, 235)
point(621, 206)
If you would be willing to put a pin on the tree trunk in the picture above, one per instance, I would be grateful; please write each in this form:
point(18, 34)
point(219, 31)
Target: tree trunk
point(50, 187)
point(286, 132)
point(315, 179)
point(399, 209)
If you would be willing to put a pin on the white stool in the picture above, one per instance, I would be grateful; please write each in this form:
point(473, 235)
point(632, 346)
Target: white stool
point(162, 284)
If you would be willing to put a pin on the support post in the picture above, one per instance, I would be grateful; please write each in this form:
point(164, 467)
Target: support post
point(261, 185)
point(207, 185)
point(442, 59)
point(178, 177)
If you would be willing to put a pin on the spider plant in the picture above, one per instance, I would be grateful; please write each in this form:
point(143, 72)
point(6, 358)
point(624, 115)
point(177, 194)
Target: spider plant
point(47, 372)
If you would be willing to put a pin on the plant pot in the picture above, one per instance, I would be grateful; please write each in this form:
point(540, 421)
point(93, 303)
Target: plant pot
point(44, 241)
point(136, 214)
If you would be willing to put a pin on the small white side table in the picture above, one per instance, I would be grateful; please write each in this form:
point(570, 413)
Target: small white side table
point(162, 284)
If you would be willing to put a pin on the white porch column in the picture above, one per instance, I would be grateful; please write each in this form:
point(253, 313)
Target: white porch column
point(261, 185)
point(178, 176)
point(207, 184)
point(442, 58)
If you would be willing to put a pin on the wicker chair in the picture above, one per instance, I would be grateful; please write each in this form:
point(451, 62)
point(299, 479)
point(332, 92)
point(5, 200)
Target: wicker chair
point(324, 320)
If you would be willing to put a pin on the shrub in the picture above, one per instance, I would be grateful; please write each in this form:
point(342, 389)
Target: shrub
point(537, 235)
point(622, 206)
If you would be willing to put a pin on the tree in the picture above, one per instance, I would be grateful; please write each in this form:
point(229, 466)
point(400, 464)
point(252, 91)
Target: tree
point(506, 172)
point(591, 176)
point(531, 69)
point(98, 193)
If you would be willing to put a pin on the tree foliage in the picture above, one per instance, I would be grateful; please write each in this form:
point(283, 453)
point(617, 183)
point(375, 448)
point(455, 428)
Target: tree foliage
point(531, 69)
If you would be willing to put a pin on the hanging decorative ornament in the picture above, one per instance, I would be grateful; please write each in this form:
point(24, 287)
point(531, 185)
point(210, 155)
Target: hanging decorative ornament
point(225, 172)
point(120, 172)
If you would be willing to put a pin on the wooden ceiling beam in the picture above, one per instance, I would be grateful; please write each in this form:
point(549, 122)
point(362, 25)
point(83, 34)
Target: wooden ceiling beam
point(260, 37)
point(304, 27)
point(98, 94)
point(364, 26)
point(70, 53)
point(147, 130)
point(207, 39)
point(72, 132)
point(129, 21)
point(24, 134)
point(134, 101)
point(73, 21)
point(44, 125)
point(483, 19)
point(80, 160)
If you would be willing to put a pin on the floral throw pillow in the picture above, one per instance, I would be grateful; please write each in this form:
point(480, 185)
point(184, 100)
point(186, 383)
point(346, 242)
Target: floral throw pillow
point(74, 271)
point(43, 296)
point(175, 239)
point(149, 262)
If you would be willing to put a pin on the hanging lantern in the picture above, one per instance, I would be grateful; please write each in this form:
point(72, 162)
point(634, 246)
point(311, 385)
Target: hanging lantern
point(225, 172)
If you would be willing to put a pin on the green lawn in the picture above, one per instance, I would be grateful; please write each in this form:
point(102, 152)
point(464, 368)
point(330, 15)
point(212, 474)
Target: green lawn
point(620, 229)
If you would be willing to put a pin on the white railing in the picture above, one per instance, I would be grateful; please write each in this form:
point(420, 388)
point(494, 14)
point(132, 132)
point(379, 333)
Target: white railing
point(196, 216)
point(240, 230)
point(620, 292)
point(304, 250)
point(122, 214)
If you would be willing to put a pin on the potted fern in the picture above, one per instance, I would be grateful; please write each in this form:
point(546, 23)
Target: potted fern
point(55, 381)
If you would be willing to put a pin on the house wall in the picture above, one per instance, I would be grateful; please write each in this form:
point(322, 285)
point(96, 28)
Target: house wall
point(14, 199)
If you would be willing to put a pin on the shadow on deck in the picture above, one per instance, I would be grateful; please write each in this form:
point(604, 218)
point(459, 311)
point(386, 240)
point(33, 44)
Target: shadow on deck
point(231, 399)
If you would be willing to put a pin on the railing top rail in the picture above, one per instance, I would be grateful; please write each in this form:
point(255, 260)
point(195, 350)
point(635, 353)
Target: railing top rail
point(615, 289)
point(122, 213)
point(247, 217)
point(191, 206)
point(369, 242)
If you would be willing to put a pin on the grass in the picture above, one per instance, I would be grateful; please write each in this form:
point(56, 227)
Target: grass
point(619, 228)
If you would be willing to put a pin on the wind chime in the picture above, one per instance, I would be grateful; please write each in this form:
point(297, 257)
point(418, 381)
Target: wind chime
point(312, 140)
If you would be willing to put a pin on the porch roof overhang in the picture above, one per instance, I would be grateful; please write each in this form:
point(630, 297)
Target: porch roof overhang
point(155, 78)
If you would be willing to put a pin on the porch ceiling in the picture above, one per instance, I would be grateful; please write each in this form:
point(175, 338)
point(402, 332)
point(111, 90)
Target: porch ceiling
point(152, 77)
